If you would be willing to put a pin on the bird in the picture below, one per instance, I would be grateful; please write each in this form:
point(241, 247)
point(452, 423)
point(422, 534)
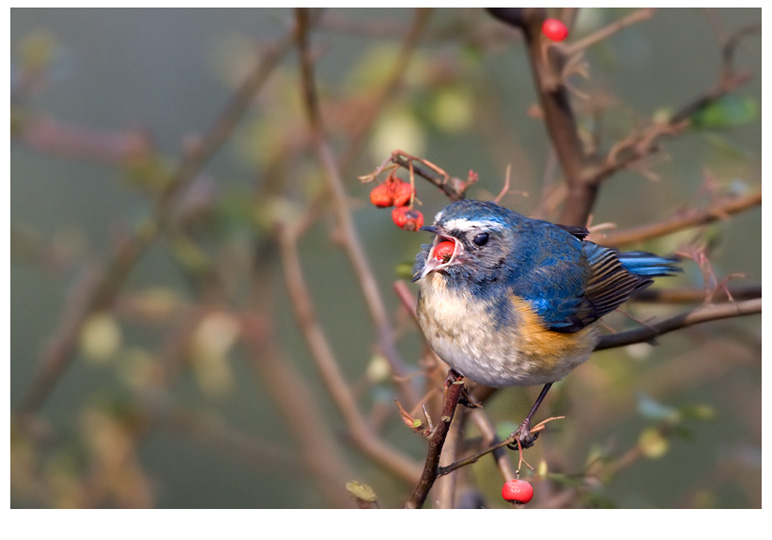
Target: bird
point(508, 300)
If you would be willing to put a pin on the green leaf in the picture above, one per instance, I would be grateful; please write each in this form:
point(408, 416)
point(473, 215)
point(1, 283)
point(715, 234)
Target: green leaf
point(728, 111)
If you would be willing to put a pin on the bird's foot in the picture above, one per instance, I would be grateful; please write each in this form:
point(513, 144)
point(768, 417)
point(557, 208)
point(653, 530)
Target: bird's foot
point(468, 401)
point(523, 437)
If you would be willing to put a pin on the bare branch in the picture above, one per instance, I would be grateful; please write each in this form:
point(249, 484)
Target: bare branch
point(328, 366)
point(350, 239)
point(453, 392)
point(358, 134)
point(682, 220)
point(692, 295)
point(705, 313)
point(603, 33)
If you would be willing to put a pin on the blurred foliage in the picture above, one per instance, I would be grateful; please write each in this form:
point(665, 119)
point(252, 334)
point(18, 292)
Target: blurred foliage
point(172, 402)
point(731, 110)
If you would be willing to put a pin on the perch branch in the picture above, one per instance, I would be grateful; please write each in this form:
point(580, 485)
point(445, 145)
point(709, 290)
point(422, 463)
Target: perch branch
point(453, 392)
point(701, 314)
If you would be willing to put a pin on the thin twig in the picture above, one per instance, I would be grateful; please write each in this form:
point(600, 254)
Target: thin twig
point(444, 489)
point(697, 294)
point(682, 220)
point(642, 143)
point(603, 33)
point(350, 239)
point(324, 358)
point(452, 187)
point(701, 314)
point(491, 439)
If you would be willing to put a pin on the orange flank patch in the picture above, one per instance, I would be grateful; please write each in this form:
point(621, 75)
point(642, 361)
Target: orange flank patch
point(551, 348)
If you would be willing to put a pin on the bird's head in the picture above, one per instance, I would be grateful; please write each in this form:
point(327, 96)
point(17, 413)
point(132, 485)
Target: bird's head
point(473, 241)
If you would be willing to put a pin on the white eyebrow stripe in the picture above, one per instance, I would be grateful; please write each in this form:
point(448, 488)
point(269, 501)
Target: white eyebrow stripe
point(463, 224)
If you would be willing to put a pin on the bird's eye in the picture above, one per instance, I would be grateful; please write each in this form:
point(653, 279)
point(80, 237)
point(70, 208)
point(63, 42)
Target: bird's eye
point(481, 239)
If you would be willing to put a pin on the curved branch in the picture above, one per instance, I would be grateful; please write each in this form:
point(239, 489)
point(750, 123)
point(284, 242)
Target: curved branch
point(698, 294)
point(350, 239)
point(705, 313)
point(327, 364)
point(682, 220)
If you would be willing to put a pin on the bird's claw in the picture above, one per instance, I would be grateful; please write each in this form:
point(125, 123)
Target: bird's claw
point(468, 401)
point(523, 437)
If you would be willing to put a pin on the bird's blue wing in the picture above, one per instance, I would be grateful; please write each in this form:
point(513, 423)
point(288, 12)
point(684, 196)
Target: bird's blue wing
point(574, 283)
point(552, 275)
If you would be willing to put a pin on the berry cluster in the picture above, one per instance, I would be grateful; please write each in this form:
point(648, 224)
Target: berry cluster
point(399, 194)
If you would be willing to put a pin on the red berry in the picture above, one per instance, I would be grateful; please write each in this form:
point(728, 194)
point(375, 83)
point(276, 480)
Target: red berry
point(402, 191)
point(517, 491)
point(444, 250)
point(381, 196)
point(554, 29)
point(407, 218)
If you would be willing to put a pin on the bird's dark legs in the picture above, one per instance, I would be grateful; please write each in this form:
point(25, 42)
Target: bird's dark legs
point(523, 432)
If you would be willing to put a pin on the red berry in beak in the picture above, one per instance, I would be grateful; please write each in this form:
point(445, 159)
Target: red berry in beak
point(517, 491)
point(444, 251)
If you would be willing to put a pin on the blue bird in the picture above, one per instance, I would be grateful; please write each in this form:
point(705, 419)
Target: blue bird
point(507, 300)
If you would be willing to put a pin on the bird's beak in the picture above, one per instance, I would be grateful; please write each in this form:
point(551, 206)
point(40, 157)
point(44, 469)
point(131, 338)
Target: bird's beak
point(436, 263)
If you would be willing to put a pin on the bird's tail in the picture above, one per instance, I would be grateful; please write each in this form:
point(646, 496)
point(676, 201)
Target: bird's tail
point(647, 264)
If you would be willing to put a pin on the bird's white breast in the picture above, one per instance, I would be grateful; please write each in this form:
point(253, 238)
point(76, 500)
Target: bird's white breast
point(460, 330)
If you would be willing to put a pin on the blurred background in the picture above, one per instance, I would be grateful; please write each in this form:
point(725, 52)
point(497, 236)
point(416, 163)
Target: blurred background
point(156, 360)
